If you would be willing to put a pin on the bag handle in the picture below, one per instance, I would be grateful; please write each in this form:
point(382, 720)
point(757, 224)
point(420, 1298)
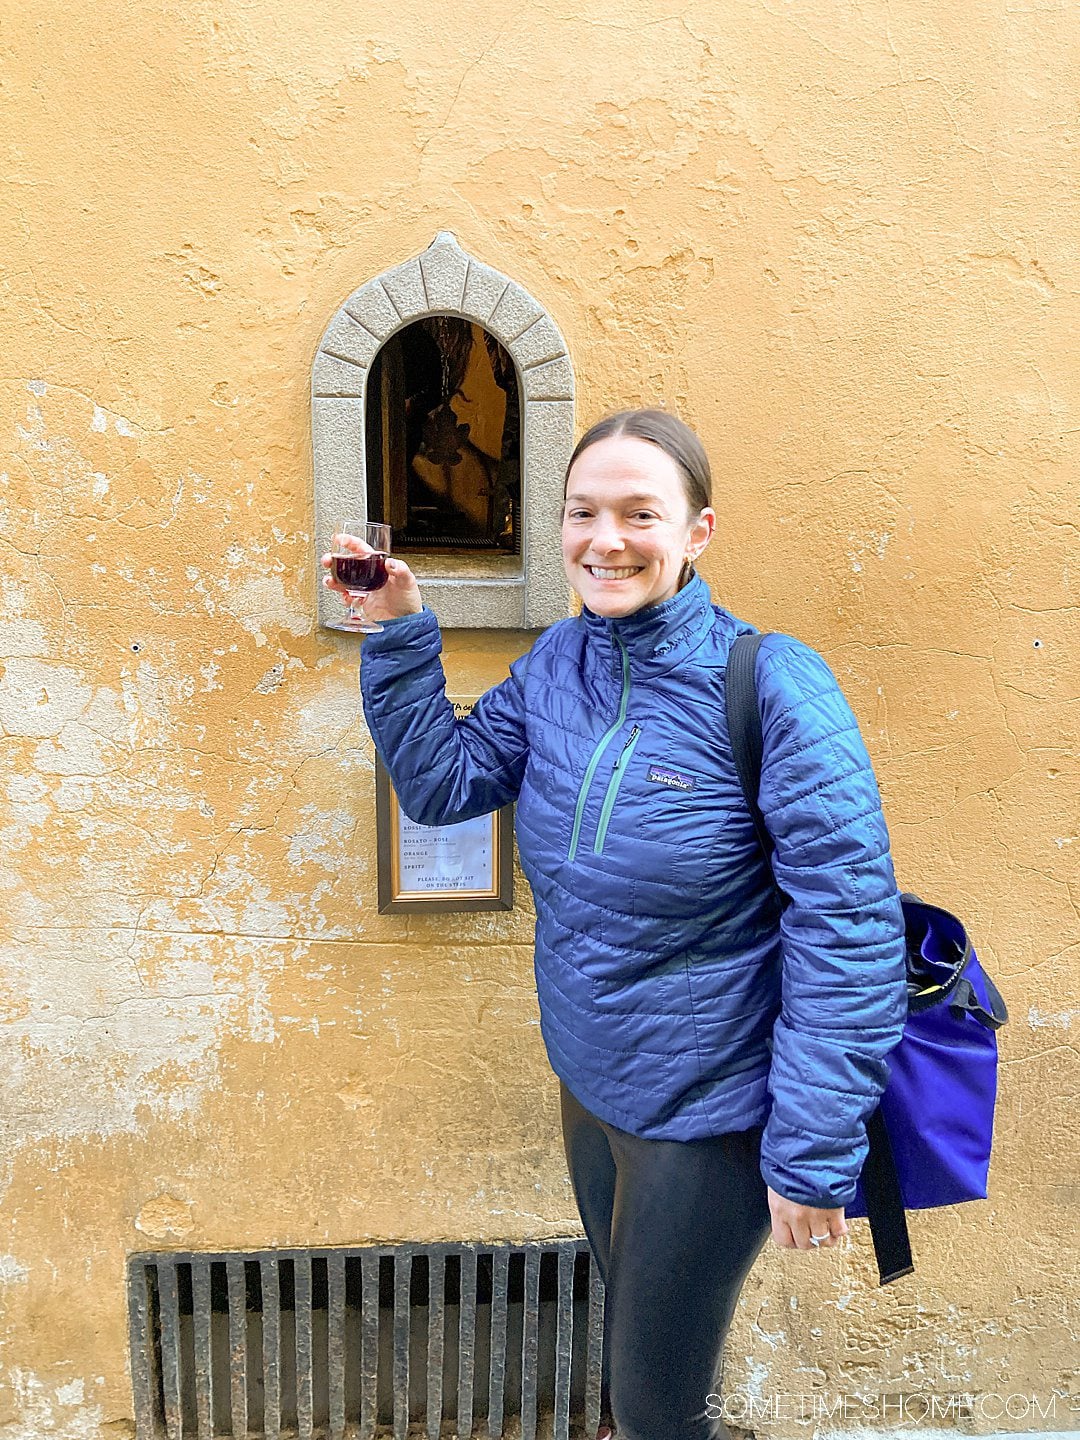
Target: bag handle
point(965, 1002)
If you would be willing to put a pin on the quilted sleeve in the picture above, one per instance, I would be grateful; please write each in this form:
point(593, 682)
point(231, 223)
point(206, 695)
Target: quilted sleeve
point(443, 769)
point(844, 985)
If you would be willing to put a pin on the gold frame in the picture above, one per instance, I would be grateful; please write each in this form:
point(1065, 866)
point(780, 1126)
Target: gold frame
point(500, 896)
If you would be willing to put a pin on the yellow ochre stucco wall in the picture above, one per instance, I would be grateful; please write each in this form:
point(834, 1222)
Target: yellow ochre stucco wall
point(841, 239)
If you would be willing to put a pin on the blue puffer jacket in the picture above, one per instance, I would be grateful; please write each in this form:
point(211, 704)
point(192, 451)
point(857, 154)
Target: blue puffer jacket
point(675, 1001)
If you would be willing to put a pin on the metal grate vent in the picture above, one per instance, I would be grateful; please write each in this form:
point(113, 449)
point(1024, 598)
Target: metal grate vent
point(404, 1340)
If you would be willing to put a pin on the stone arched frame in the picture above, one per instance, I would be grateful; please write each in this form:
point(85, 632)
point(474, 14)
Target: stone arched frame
point(444, 280)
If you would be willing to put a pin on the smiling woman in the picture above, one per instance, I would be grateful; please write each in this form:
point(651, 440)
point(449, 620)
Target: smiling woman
point(708, 1096)
point(631, 529)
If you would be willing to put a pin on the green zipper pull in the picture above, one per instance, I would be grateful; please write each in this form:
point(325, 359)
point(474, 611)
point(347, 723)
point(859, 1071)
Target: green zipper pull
point(631, 741)
point(613, 788)
point(597, 755)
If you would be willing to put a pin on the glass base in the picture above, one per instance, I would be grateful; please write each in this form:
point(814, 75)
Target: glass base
point(358, 627)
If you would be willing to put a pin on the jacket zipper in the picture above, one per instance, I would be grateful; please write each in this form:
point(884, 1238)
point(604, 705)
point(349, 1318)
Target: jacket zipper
point(601, 746)
point(613, 788)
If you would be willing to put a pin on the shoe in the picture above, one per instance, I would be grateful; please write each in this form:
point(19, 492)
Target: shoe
point(605, 1433)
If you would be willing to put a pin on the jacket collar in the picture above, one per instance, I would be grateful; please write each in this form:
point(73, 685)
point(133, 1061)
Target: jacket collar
point(657, 637)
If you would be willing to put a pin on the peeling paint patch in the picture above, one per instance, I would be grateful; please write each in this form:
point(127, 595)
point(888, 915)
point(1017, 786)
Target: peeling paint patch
point(75, 751)
point(261, 603)
point(96, 1048)
point(775, 1339)
point(11, 1271)
point(1062, 1019)
point(757, 1376)
point(22, 638)
point(877, 541)
point(321, 838)
point(99, 423)
point(37, 699)
point(48, 1410)
point(272, 680)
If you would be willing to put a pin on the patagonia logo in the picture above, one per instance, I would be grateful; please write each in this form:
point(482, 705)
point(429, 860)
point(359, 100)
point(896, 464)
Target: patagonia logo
point(677, 779)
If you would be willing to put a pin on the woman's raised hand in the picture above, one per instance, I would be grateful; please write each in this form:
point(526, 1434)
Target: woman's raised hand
point(399, 596)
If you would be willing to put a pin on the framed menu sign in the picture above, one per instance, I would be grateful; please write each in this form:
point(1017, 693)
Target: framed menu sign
point(440, 868)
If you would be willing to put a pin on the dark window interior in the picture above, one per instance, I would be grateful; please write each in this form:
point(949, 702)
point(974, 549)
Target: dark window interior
point(443, 422)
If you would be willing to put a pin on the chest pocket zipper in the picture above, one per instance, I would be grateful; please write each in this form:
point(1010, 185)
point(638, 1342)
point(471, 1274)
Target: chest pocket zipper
point(617, 772)
point(602, 744)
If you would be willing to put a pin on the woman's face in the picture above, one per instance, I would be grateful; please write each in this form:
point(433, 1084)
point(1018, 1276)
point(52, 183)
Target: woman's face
point(627, 527)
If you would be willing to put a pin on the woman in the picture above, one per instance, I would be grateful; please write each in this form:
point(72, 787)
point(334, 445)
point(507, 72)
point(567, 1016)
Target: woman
point(717, 1058)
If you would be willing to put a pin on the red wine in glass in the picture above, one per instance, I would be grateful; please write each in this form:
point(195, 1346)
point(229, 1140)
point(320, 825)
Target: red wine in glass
point(360, 574)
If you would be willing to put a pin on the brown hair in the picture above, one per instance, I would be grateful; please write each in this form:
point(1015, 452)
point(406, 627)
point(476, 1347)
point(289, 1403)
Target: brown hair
point(669, 434)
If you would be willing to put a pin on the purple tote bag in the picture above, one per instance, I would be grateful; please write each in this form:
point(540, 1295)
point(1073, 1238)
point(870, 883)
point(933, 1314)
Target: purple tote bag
point(938, 1106)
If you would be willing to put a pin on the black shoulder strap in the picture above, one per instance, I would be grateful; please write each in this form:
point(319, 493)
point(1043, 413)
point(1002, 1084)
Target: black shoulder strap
point(744, 726)
point(881, 1183)
point(744, 729)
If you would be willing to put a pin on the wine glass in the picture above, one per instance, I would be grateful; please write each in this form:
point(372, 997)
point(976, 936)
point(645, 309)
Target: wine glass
point(360, 574)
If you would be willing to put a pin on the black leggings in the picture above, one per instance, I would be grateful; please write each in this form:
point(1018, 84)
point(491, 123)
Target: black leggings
point(675, 1226)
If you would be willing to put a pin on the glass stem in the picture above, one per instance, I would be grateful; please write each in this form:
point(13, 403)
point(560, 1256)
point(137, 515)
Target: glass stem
point(356, 606)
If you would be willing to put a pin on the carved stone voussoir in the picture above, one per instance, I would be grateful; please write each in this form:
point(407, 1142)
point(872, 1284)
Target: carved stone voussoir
point(551, 381)
point(540, 342)
point(347, 339)
point(515, 312)
point(443, 266)
point(337, 377)
point(405, 286)
point(484, 289)
point(371, 306)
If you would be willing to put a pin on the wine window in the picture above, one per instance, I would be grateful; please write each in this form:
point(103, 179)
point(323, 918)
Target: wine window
point(442, 405)
point(443, 443)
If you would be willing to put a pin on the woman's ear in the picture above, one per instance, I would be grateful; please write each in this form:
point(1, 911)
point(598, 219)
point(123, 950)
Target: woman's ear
point(701, 532)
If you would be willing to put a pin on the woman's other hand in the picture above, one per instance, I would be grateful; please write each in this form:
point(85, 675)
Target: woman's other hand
point(793, 1225)
point(399, 596)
